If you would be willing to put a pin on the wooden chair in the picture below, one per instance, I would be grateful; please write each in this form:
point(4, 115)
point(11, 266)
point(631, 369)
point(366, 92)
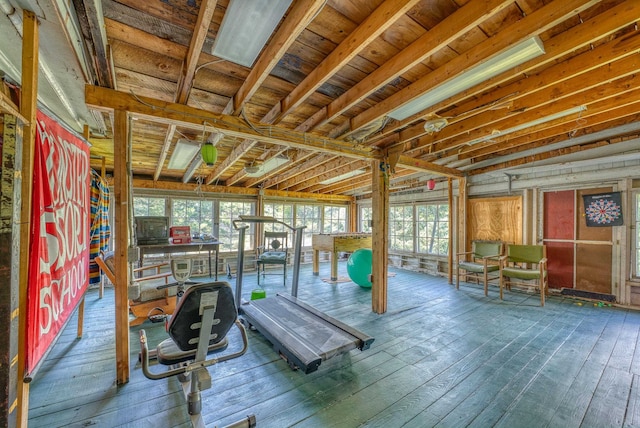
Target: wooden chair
point(479, 262)
point(273, 252)
point(527, 263)
point(140, 305)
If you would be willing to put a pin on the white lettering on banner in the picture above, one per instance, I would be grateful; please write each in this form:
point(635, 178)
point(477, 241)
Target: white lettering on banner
point(67, 171)
point(59, 295)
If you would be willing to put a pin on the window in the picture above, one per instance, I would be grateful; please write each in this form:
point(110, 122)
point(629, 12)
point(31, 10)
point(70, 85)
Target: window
point(432, 225)
point(196, 214)
point(401, 228)
point(228, 235)
point(335, 219)
point(148, 206)
point(366, 217)
point(309, 216)
point(282, 212)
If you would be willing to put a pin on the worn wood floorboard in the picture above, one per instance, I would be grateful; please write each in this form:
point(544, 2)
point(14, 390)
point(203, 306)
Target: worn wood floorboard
point(441, 357)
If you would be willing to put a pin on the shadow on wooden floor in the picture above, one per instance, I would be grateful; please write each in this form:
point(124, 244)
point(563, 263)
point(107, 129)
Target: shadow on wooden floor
point(441, 357)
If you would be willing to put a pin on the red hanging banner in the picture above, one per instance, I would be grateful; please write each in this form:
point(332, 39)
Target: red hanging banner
point(59, 252)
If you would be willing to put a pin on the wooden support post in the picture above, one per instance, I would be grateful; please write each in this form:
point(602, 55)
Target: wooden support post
point(121, 255)
point(85, 134)
point(29, 110)
point(10, 199)
point(380, 233)
point(452, 250)
point(461, 225)
point(353, 217)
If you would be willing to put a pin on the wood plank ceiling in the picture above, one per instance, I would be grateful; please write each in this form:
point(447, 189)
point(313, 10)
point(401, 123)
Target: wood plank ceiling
point(337, 69)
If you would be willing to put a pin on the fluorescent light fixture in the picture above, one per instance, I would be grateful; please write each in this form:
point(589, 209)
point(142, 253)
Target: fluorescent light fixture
point(246, 27)
point(500, 63)
point(540, 121)
point(268, 166)
point(343, 176)
point(183, 154)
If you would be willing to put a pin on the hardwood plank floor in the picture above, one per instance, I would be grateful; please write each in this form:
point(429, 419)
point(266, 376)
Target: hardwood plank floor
point(441, 357)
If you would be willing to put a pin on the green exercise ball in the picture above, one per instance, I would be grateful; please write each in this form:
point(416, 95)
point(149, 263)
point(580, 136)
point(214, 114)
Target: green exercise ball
point(359, 267)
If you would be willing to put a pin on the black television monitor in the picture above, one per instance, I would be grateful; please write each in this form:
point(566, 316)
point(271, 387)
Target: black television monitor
point(152, 230)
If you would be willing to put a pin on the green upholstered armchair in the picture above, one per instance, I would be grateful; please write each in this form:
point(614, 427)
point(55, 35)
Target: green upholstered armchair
point(527, 263)
point(479, 262)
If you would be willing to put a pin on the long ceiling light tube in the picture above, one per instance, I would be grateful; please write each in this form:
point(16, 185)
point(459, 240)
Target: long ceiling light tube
point(183, 154)
point(344, 176)
point(506, 60)
point(539, 121)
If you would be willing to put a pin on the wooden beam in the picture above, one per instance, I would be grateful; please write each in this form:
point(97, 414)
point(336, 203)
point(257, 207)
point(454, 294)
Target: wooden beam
point(172, 113)
point(454, 26)
point(586, 88)
point(323, 172)
point(296, 21)
point(623, 107)
point(92, 26)
point(544, 86)
point(534, 24)
point(557, 47)
point(296, 158)
point(375, 24)
point(238, 151)
point(168, 138)
point(422, 165)
point(185, 80)
point(121, 188)
point(29, 110)
point(380, 234)
point(222, 190)
point(314, 161)
point(7, 106)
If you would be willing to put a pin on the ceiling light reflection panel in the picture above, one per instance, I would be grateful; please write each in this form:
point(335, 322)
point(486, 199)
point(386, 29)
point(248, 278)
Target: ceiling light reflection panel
point(246, 27)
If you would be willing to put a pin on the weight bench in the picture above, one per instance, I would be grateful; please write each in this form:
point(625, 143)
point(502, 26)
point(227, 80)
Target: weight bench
point(199, 326)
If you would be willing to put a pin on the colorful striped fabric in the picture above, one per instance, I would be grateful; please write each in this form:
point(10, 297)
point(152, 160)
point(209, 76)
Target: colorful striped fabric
point(100, 230)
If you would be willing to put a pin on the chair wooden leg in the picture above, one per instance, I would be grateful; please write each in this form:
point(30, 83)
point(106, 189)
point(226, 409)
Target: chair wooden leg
point(458, 279)
point(486, 283)
point(501, 285)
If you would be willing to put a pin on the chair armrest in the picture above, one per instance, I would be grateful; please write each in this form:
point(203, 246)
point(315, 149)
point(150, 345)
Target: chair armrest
point(493, 257)
point(543, 261)
point(463, 254)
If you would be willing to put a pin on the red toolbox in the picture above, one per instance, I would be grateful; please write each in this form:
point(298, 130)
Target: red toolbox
point(180, 234)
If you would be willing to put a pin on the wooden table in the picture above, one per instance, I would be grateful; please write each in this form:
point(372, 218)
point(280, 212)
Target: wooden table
point(193, 247)
point(334, 243)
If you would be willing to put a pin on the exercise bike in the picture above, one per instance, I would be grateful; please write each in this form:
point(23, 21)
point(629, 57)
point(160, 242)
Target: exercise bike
point(204, 314)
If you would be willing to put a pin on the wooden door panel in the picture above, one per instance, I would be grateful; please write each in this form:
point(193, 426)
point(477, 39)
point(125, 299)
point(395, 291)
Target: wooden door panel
point(560, 266)
point(559, 215)
point(593, 268)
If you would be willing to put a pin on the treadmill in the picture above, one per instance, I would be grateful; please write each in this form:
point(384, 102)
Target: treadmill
point(301, 334)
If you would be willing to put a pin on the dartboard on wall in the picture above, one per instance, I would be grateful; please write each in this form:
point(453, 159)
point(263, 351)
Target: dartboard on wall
point(603, 209)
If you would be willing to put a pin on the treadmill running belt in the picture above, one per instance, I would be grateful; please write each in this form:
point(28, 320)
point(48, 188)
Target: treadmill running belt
point(302, 334)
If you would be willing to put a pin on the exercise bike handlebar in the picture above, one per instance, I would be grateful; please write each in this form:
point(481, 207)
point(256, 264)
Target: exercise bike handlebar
point(144, 351)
